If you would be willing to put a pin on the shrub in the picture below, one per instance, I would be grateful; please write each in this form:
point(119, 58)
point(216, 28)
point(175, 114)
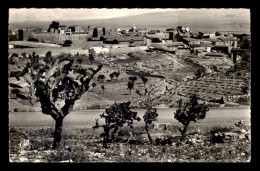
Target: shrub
point(117, 116)
point(190, 111)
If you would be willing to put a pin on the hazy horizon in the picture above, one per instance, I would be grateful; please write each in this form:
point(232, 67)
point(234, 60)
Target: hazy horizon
point(196, 19)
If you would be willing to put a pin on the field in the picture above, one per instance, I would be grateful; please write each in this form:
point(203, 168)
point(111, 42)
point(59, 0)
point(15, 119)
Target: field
point(85, 145)
point(170, 78)
point(212, 86)
point(81, 143)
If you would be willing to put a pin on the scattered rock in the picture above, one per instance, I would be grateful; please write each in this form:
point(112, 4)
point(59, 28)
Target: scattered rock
point(243, 131)
point(23, 159)
point(37, 161)
point(67, 161)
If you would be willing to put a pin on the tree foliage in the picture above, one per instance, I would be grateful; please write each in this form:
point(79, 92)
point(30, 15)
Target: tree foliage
point(116, 74)
point(93, 85)
point(130, 85)
point(54, 24)
point(133, 78)
point(138, 92)
point(217, 33)
point(103, 88)
point(244, 89)
point(101, 78)
point(144, 80)
point(190, 111)
point(57, 84)
point(116, 116)
point(200, 72)
point(111, 75)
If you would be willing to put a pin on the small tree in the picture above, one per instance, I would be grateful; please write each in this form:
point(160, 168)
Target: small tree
point(91, 57)
point(217, 33)
point(80, 61)
point(116, 74)
point(67, 43)
point(93, 85)
point(111, 75)
point(214, 68)
point(144, 80)
point(138, 92)
point(190, 111)
point(101, 77)
point(130, 86)
point(117, 116)
point(150, 116)
point(133, 78)
point(103, 88)
point(244, 89)
point(200, 72)
point(24, 55)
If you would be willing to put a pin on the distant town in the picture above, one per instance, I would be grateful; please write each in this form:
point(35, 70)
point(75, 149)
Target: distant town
point(176, 40)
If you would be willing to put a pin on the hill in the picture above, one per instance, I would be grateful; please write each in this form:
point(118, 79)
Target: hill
point(210, 20)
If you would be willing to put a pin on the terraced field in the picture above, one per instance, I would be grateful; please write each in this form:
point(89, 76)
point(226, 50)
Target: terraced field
point(212, 86)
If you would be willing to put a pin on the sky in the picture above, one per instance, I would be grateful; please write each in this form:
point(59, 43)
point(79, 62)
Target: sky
point(43, 14)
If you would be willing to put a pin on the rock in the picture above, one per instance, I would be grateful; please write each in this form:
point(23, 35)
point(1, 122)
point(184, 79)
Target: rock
point(242, 136)
point(67, 161)
point(22, 152)
point(243, 131)
point(23, 144)
point(193, 141)
point(37, 161)
point(23, 159)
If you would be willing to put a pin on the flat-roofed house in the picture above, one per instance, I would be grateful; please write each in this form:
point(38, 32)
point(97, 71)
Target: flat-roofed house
point(204, 47)
point(229, 41)
point(131, 40)
point(207, 34)
point(191, 41)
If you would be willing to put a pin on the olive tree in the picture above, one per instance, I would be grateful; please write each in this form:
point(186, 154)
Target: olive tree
point(116, 74)
point(111, 75)
point(133, 78)
point(93, 85)
point(57, 84)
point(144, 80)
point(130, 85)
point(150, 116)
point(116, 116)
point(103, 88)
point(200, 72)
point(101, 78)
point(190, 111)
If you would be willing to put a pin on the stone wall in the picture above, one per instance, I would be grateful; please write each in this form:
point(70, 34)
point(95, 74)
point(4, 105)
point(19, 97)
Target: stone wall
point(57, 38)
point(115, 51)
point(54, 51)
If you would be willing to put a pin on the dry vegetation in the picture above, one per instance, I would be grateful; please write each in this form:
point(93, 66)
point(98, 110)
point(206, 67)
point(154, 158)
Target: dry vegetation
point(85, 145)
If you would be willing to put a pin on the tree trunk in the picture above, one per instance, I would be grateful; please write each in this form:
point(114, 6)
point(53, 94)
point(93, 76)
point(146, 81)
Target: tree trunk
point(184, 129)
point(57, 132)
point(106, 136)
point(148, 134)
point(114, 133)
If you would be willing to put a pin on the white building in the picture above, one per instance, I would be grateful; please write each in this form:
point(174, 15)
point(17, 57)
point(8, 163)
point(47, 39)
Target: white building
point(99, 50)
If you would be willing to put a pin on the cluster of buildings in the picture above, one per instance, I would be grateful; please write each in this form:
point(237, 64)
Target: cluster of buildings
point(171, 39)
